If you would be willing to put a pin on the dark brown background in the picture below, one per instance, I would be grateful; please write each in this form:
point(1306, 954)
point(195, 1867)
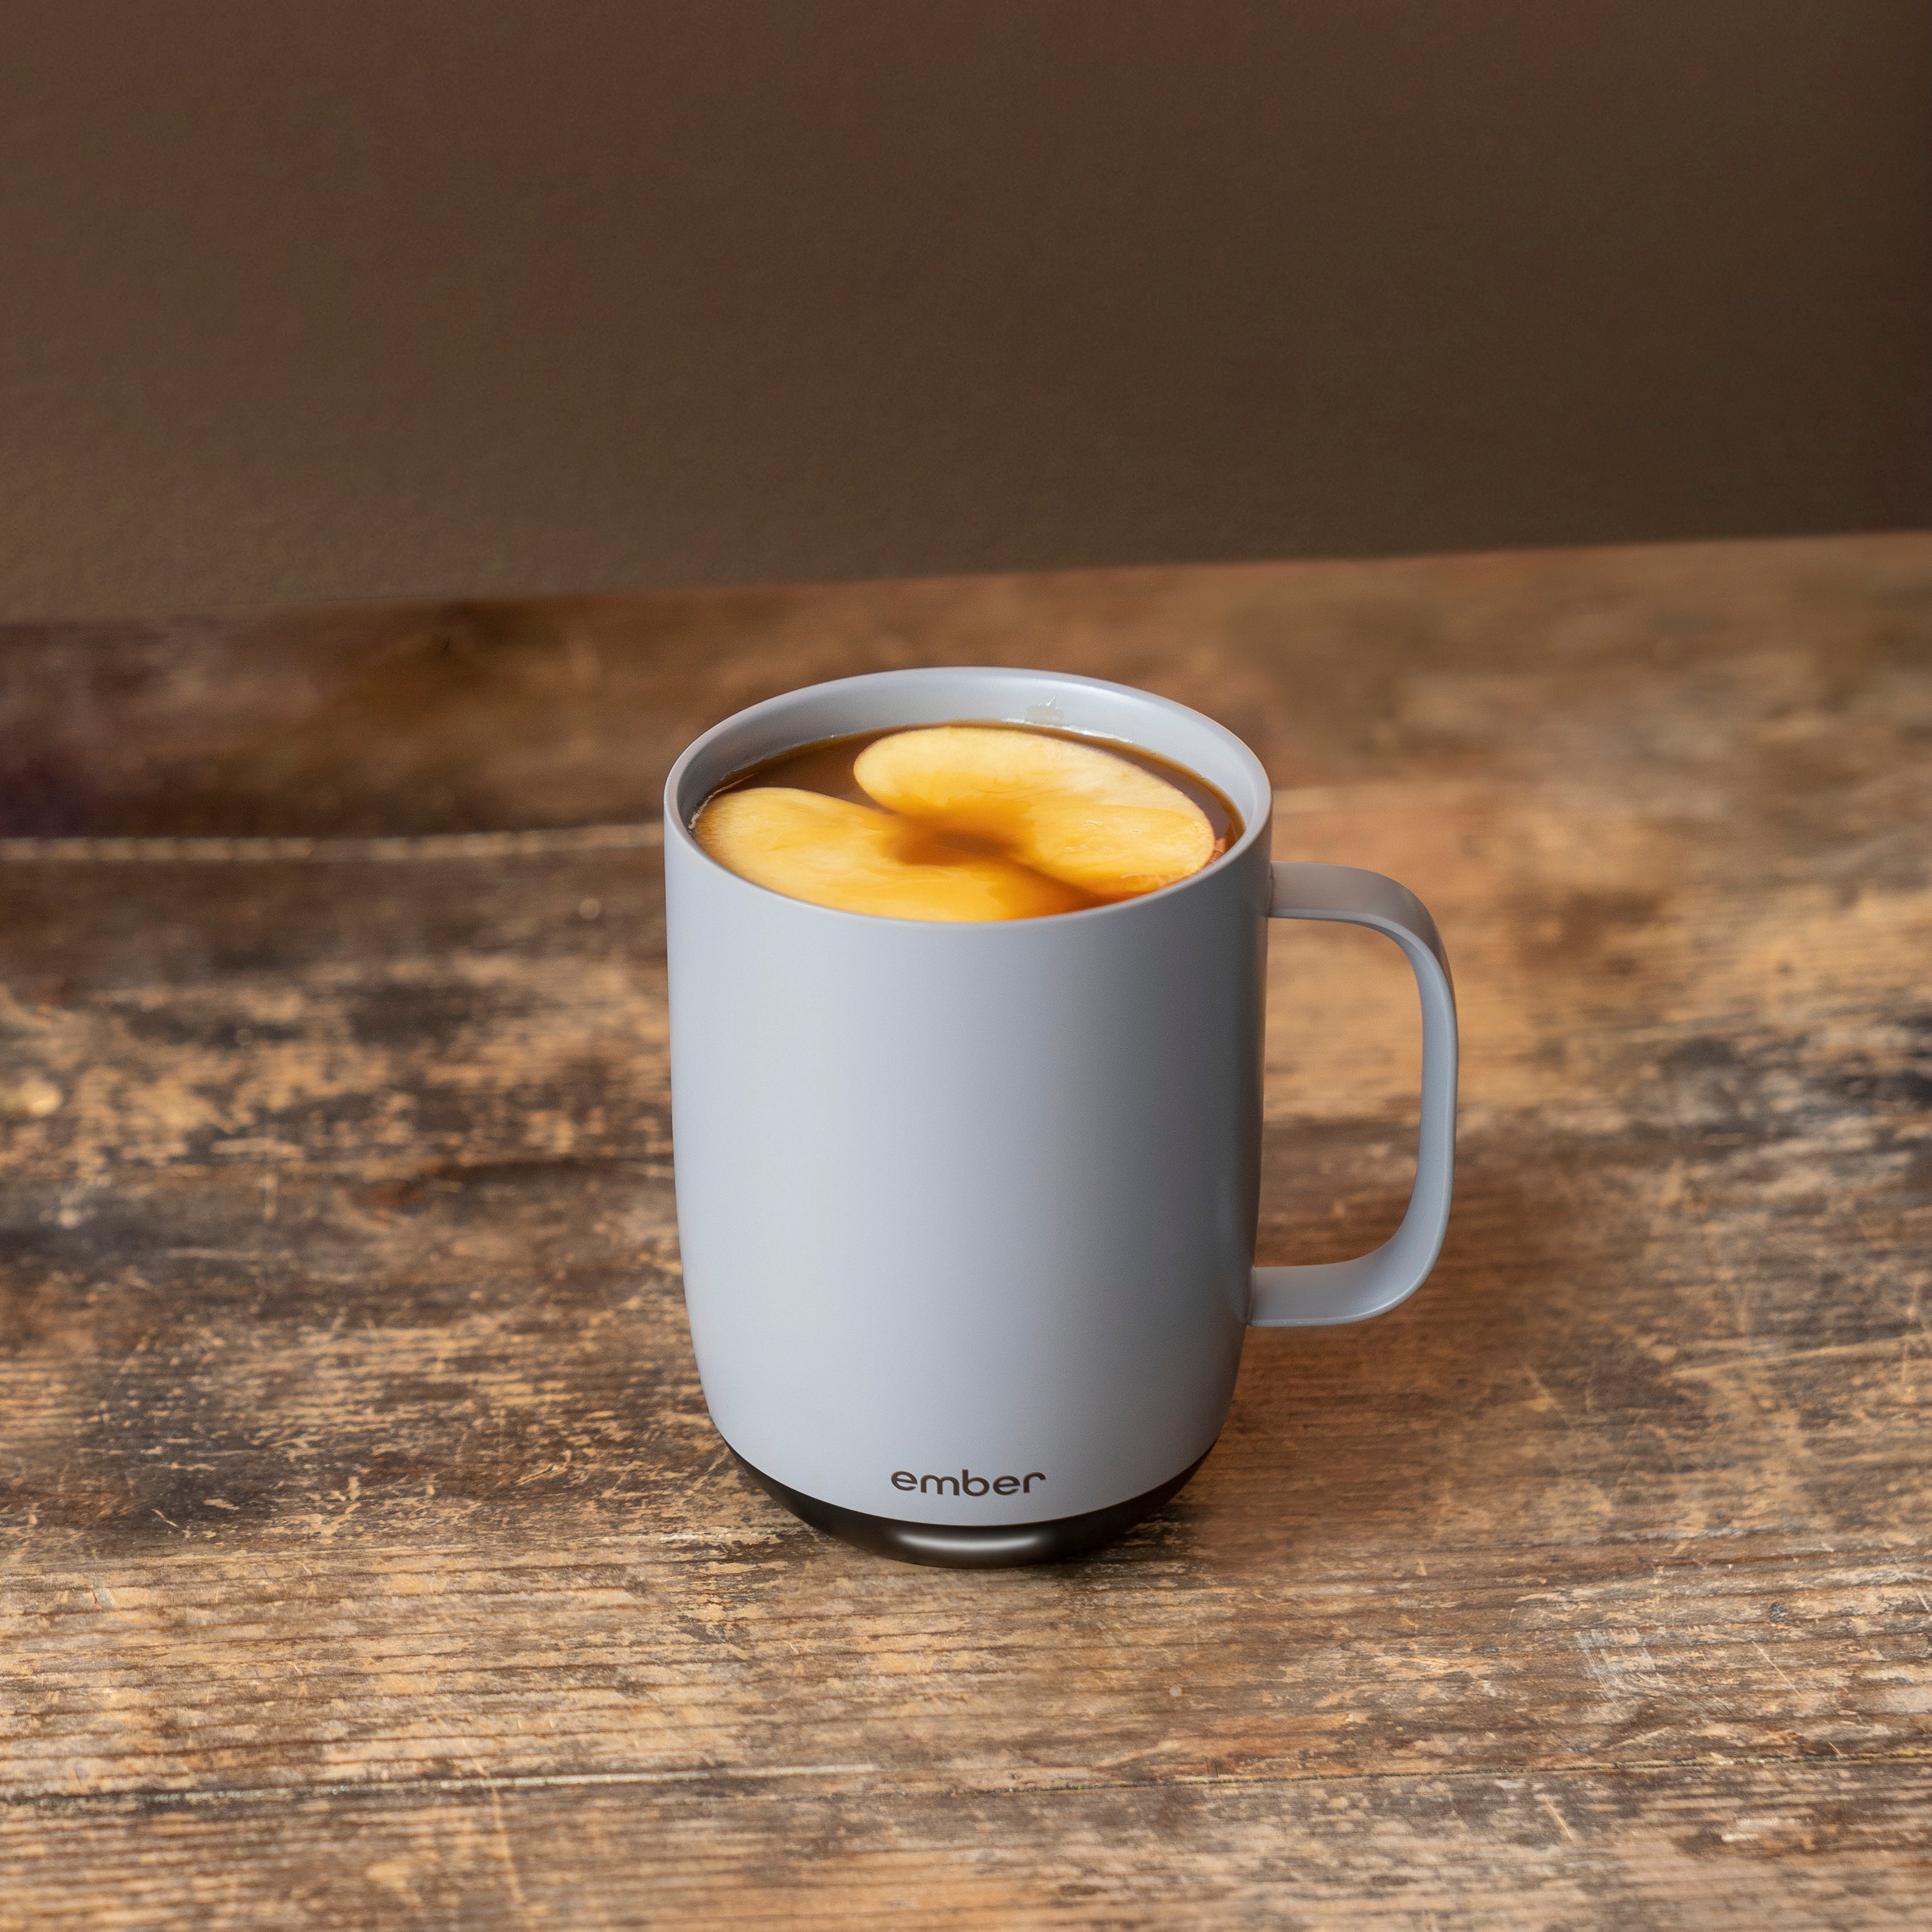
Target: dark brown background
point(349, 299)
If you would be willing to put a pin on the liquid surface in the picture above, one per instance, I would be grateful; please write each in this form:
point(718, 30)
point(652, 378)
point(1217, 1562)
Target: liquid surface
point(965, 822)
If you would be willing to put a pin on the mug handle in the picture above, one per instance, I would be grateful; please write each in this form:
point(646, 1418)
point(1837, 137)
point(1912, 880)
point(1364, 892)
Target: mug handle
point(1372, 1284)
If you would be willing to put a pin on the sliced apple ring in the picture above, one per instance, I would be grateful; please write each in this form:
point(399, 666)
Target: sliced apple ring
point(854, 858)
point(1072, 811)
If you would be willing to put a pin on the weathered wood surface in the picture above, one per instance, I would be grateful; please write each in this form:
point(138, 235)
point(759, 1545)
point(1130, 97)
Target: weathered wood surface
point(370, 1559)
point(1717, 1848)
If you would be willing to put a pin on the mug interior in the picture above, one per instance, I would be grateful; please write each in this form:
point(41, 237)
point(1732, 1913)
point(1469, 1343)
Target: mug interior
point(884, 700)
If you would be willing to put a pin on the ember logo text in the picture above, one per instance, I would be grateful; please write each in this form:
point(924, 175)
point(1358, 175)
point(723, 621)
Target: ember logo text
point(967, 1484)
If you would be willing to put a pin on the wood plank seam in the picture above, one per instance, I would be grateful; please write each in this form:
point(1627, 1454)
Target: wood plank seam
point(751, 1778)
point(387, 849)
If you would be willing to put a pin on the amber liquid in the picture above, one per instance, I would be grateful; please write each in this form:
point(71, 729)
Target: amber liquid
point(826, 767)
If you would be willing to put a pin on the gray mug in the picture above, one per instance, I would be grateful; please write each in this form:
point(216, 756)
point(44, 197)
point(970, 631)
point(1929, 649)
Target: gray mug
point(967, 1211)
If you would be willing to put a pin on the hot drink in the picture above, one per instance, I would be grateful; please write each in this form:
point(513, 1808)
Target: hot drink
point(965, 822)
point(967, 1210)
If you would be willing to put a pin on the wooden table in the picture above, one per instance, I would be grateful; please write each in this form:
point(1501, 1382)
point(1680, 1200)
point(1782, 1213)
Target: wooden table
point(372, 1561)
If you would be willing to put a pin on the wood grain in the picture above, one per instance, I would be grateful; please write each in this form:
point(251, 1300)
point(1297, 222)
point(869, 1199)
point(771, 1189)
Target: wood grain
point(370, 1558)
point(1728, 1847)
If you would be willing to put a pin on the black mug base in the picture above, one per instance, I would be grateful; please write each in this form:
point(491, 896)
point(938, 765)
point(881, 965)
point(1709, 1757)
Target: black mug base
point(969, 1546)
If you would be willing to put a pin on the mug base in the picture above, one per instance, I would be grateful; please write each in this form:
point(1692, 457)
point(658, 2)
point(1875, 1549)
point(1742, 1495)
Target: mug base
point(947, 1546)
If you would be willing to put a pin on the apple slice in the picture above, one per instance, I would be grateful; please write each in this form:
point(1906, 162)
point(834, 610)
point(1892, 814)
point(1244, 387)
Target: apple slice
point(1071, 811)
point(855, 858)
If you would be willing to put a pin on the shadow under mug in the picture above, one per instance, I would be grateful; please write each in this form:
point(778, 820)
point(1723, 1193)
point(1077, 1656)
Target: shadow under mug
point(967, 1211)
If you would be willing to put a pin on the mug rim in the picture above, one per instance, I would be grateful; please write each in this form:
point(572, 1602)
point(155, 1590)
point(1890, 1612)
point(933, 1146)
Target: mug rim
point(1254, 828)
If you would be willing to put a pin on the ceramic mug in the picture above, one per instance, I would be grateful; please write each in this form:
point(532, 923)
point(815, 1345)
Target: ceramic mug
point(967, 1211)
